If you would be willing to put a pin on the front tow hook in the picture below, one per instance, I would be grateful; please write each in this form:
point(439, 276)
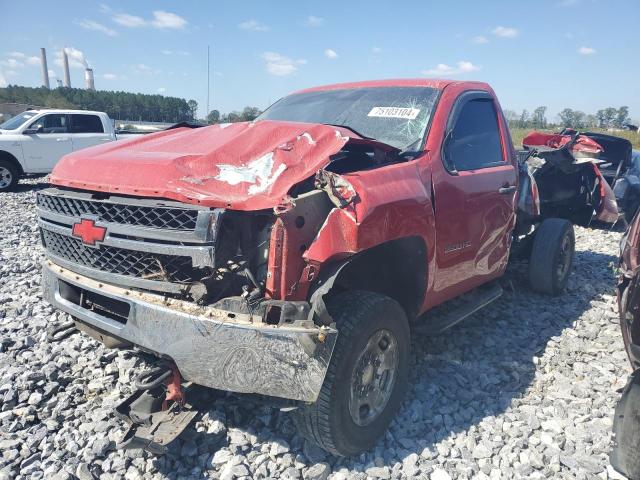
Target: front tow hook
point(157, 412)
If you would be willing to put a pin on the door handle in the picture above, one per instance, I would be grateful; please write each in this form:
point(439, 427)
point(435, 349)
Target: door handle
point(508, 189)
point(105, 139)
point(62, 139)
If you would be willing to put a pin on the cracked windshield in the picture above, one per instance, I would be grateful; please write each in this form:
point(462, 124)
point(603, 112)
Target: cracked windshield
point(397, 116)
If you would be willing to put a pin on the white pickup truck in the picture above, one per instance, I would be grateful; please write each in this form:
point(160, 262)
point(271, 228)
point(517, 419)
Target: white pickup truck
point(34, 141)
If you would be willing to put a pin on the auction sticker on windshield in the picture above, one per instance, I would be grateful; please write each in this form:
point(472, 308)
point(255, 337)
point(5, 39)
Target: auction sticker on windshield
point(394, 112)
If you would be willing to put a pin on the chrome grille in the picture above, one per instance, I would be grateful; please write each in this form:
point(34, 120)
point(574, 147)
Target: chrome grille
point(121, 261)
point(139, 215)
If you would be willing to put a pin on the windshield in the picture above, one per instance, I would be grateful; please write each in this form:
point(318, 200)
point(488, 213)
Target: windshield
point(397, 116)
point(18, 120)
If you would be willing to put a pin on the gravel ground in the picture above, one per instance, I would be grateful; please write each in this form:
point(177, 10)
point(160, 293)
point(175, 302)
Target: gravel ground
point(524, 389)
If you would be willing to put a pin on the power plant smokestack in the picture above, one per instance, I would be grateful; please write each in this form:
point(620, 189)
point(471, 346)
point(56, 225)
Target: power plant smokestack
point(65, 66)
point(88, 79)
point(45, 69)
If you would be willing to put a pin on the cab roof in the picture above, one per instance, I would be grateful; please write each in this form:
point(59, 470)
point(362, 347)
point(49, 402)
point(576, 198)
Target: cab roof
point(63, 110)
point(438, 84)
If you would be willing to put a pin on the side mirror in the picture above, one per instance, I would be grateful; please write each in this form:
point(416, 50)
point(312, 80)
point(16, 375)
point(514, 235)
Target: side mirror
point(446, 154)
point(34, 130)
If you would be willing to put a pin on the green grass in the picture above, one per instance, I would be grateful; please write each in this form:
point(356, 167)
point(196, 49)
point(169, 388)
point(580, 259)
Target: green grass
point(517, 134)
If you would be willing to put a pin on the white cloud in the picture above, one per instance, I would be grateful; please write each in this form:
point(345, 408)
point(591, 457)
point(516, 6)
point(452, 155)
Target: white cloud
point(144, 69)
point(52, 74)
point(130, 21)
point(442, 69)
point(505, 32)
point(162, 19)
point(76, 58)
point(280, 65)
point(330, 54)
point(480, 39)
point(586, 51)
point(253, 26)
point(96, 27)
point(568, 3)
point(182, 53)
point(313, 21)
point(11, 63)
point(162, 90)
point(376, 55)
point(3, 80)
point(19, 60)
point(109, 76)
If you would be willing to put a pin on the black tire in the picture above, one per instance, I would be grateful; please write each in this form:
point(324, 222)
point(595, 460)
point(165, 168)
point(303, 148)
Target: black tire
point(624, 455)
point(8, 176)
point(551, 256)
point(360, 316)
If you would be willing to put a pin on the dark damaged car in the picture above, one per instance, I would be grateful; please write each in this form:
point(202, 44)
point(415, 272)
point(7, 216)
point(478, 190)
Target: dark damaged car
point(285, 257)
point(625, 455)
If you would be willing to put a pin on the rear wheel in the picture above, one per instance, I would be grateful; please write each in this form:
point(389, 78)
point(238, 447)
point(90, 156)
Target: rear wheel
point(367, 375)
point(551, 256)
point(8, 176)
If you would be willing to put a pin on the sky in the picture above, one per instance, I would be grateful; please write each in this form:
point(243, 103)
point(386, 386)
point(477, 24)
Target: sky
point(580, 54)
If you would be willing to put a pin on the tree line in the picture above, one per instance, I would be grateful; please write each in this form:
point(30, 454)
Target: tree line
point(248, 114)
point(605, 118)
point(118, 105)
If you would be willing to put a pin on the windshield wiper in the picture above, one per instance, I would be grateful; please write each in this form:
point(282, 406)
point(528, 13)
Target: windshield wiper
point(349, 128)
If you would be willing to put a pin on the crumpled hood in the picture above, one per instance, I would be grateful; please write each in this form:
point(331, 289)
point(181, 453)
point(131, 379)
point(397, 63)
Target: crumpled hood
point(244, 166)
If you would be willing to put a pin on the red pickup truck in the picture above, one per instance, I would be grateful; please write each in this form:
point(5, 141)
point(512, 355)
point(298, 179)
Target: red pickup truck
point(287, 256)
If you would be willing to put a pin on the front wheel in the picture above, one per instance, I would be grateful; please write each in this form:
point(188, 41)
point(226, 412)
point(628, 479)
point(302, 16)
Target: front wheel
point(8, 176)
point(367, 375)
point(551, 256)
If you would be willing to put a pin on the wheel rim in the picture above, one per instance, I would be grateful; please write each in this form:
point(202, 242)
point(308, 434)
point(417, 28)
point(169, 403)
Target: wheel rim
point(564, 258)
point(6, 177)
point(373, 378)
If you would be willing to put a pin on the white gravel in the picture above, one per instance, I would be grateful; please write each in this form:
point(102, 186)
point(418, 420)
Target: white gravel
point(524, 389)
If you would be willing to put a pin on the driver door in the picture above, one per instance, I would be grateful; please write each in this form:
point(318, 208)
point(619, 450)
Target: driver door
point(48, 143)
point(475, 187)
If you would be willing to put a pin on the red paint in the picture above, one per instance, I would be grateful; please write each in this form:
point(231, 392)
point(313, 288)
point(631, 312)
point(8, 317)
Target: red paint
point(583, 144)
point(184, 164)
point(88, 232)
point(608, 209)
point(175, 393)
point(396, 201)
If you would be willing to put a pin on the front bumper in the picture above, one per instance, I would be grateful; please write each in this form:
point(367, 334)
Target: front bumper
point(211, 347)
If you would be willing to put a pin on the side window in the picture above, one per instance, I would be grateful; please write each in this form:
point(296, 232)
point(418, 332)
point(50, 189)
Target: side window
point(475, 139)
point(86, 124)
point(51, 123)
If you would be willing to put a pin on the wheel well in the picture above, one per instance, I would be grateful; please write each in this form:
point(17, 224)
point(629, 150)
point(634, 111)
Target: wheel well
point(397, 268)
point(11, 159)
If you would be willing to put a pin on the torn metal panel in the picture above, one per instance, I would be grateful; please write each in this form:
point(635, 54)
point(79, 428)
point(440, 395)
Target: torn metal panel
point(607, 210)
point(243, 166)
point(339, 190)
point(293, 232)
point(580, 146)
point(392, 202)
